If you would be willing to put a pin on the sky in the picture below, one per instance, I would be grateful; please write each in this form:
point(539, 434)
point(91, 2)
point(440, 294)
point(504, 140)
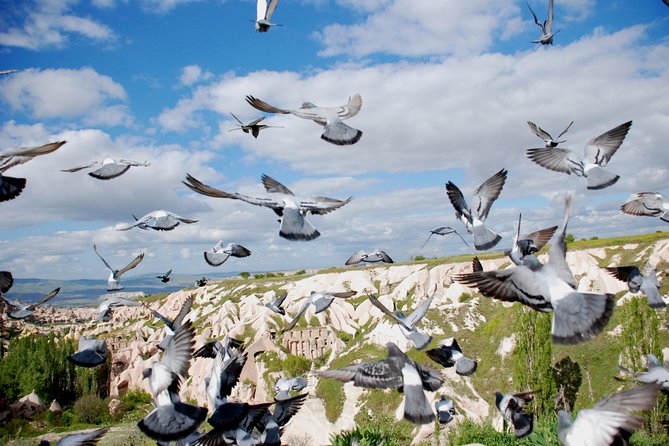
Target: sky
point(447, 89)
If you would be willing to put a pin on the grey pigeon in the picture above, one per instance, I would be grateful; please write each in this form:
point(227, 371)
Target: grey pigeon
point(292, 212)
point(656, 373)
point(597, 153)
point(114, 280)
point(108, 168)
point(11, 187)
point(159, 220)
point(173, 325)
point(90, 353)
point(375, 256)
point(284, 386)
point(443, 230)
point(397, 371)
point(336, 132)
point(528, 244)
point(548, 139)
point(511, 407)
point(547, 27)
point(106, 305)
point(272, 423)
point(475, 216)
point(321, 302)
point(254, 127)
point(647, 282)
point(649, 204)
point(445, 410)
point(408, 324)
point(228, 348)
point(201, 282)
point(89, 438)
point(276, 304)
point(609, 421)
point(24, 310)
point(449, 354)
point(165, 277)
point(577, 317)
point(219, 253)
point(172, 419)
point(264, 11)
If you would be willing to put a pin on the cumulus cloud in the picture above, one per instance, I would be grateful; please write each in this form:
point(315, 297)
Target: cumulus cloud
point(192, 74)
point(163, 6)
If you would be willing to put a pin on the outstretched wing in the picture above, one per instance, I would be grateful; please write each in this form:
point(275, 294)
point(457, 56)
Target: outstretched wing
point(541, 133)
point(46, 298)
point(323, 205)
point(600, 150)
point(209, 191)
point(131, 265)
point(264, 106)
point(273, 186)
point(297, 317)
point(487, 193)
point(351, 108)
point(78, 168)
point(102, 258)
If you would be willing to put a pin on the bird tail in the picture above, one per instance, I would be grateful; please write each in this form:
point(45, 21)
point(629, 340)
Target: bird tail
point(573, 328)
point(11, 187)
point(465, 366)
point(654, 298)
point(484, 238)
point(416, 408)
point(172, 422)
point(341, 134)
point(445, 417)
point(304, 231)
point(599, 178)
point(87, 358)
point(420, 340)
point(523, 424)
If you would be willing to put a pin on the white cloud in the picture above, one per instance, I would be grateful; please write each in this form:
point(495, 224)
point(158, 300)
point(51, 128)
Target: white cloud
point(192, 74)
point(163, 6)
point(50, 23)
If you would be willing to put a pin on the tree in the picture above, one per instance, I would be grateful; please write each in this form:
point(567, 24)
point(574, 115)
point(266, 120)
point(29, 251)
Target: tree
point(568, 379)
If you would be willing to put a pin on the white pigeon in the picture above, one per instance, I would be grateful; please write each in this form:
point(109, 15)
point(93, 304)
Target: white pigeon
point(649, 204)
point(474, 217)
point(114, 280)
point(108, 168)
point(336, 132)
point(547, 27)
point(647, 282)
point(159, 220)
point(321, 302)
point(24, 310)
point(290, 209)
point(608, 420)
point(408, 324)
point(264, 10)
point(548, 139)
point(597, 153)
point(220, 253)
point(11, 187)
point(375, 256)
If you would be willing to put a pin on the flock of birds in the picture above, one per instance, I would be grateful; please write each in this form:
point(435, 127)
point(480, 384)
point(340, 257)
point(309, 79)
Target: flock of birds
point(543, 286)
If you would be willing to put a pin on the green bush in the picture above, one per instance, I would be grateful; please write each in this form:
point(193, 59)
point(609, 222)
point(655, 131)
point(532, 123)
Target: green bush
point(468, 431)
point(365, 437)
point(245, 275)
point(91, 409)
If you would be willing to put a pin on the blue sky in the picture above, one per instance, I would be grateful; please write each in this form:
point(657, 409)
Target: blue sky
point(447, 87)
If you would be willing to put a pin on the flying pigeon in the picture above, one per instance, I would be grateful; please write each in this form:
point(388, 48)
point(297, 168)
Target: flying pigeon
point(159, 220)
point(649, 204)
point(201, 282)
point(597, 153)
point(265, 9)
point(445, 410)
point(105, 307)
point(374, 256)
point(547, 27)
point(284, 386)
point(511, 407)
point(11, 187)
point(408, 324)
point(165, 277)
point(171, 419)
point(443, 230)
point(114, 280)
point(548, 139)
point(254, 127)
point(91, 352)
point(89, 438)
point(397, 371)
point(449, 354)
point(290, 210)
point(228, 348)
point(473, 217)
point(336, 132)
point(108, 168)
point(172, 326)
point(656, 373)
point(25, 310)
point(609, 420)
point(219, 253)
point(577, 317)
point(647, 282)
point(321, 302)
point(529, 244)
point(272, 423)
point(276, 304)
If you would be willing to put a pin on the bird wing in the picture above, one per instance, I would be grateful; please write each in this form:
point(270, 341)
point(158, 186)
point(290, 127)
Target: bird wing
point(487, 193)
point(179, 349)
point(237, 119)
point(343, 295)
point(264, 106)
point(278, 301)
point(32, 151)
point(185, 309)
point(323, 205)
point(541, 237)
point(430, 378)
point(203, 189)
point(555, 159)
point(557, 255)
point(165, 320)
point(261, 9)
point(270, 8)
point(541, 133)
point(297, 317)
point(84, 439)
point(624, 273)
point(356, 258)
point(6, 281)
point(78, 168)
point(273, 186)
point(130, 265)
point(458, 201)
point(102, 258)
point(377, 303)
point(384, 256)
point(511, 285)
point(230, 373)
point(285, 409)
point(167, 274)
point(548, 24)
point(644, 203)
point(476, 265)
point(351, 108)
point(535, 17)
point(600, 149)
point(419, 313)
point(45, 299)
point(567, 128)
point(238, 250)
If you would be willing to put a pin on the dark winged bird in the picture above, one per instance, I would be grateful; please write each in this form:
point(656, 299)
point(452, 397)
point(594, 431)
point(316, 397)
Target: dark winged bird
point(159, 220)
point(597, 153)
point(292, 211)
point(90, 353)
point(449, 354)
point(272, 423)
point(89, 438)
point(108, 168)
point(254, 127)
point(172, 419)
point(220, 253)
point(408, 324)
point(529, 244)
point(445, 410)
point(546, 28)
point(172, 325)
point(577, 317)
point(331, 118)
point(321, 302)
point(474, 217)
point(276, 304)
point(264, 11)
point(649, 204)
point(24, 310)
point(11, 187)
point(397, 371)
point(647, 282)
point(165, 277)
point(548, 139)
point(511, 406)
point(114, 280)
point(609, 421)
point(6, 282)
point(443, 230)
point(228, 348)
point(375, 256)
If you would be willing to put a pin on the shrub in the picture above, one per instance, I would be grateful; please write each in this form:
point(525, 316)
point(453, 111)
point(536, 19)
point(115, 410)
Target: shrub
point(245, 275)
point(91, 409)
point(468, 431)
